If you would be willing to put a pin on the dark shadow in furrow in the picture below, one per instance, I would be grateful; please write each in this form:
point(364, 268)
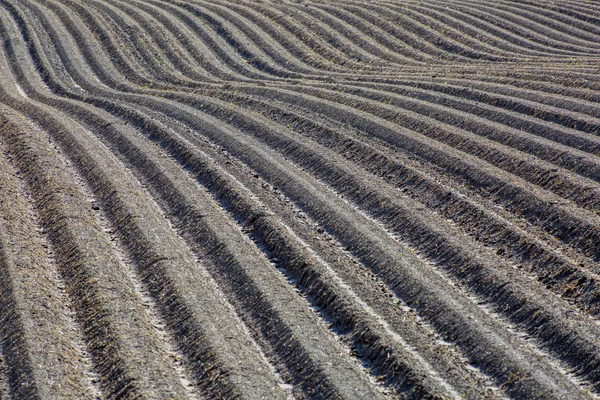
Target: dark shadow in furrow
point(565, 9)
point(337, 20)
point(403, 30)
point(546, 27)
point(537, 89)
point(205, 19)
point(278, 245)
point(464, 30)
point(512, 42)
point(451, 39)
point(94, 319)
point(538, 322)
point(562, 22)
point(415, 296)
point(559, 274)
point(448, 47)
point(390, 36)
point(148, 53)
point(118, 59)
point(208, 73)
point(227, 68)
point(262, 42)
point(299, 366)
point(100, 337)
point(430, 106)
point(572, 230)
point(309, 39)
point(382, 353)
point(221, 43)
point(19, 372)
point(570, 112)
point(331, 36)
point(503, 110)
point(190, 338)
point(559, 48)
point(506, 99)
point(285, 38)
point(299, 363)
point(414, 300)
point(148, 20)
point(197, 127)
point(239, 48)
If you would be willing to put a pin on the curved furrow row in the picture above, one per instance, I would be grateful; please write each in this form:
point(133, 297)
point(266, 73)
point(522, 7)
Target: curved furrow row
point(578, 11)
point(260, 308)
point(446, 37)
point(533, 19)
point(574, 109)
point(297, 199)
point(465, 28)
point(586, 129)
point(568, 25)
point(179, 321)
point(469, 32)
point(188, 222)
point(507, 238)
point(122, 342)
point(335, 300)
point(164, 37)
point(537, 208)
point(108, 336)
point(524, 28)
point(337, 21)
point(545, 175)
point(235, 43)
point(35, 368)
point(424, 38)
point(524, 43)
point(265, 42)
point(568, 120)
point(387, 29)
point(345, 184)
point(541, 105)
point(273, 177)
point(129, 24)
point(327, 216)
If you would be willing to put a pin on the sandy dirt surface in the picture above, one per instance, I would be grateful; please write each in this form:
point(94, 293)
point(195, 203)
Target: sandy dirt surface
point(230, 199)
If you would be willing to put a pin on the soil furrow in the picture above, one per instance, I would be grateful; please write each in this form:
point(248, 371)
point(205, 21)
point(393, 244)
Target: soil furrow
point(83, 268)
point(63, 338)
point(558, 272)
point(274, 239)
point(264, 307)
point(155, 268)
point(298, 199)
point(278, 179)
point(571, 226)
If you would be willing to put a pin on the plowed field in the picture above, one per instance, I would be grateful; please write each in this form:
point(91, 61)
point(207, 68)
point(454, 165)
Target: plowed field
point(299, 199)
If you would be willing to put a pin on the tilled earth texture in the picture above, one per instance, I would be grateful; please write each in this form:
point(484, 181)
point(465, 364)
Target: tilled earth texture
point(279, 199)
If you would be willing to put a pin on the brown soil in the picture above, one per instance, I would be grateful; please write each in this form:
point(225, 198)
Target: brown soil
point(297, 199)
